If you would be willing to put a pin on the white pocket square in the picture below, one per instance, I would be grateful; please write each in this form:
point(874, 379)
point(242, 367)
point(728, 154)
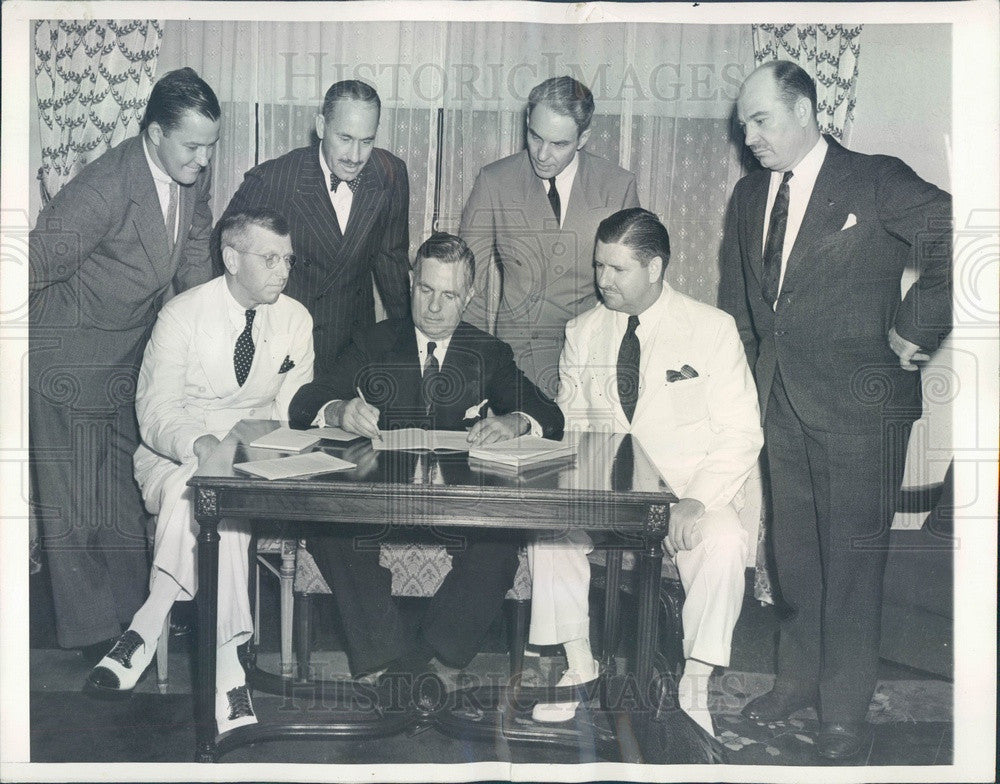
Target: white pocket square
point(852, 220)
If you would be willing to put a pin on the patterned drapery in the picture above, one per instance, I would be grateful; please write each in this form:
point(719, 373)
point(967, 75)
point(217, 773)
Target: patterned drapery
point(829, 53)
point(93, 79)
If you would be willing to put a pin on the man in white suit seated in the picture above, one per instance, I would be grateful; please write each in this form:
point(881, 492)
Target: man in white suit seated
point(229, 349)
point(672, 372)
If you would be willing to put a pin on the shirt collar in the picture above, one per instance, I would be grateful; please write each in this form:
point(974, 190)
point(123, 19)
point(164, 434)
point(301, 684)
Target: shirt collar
point(236, 313)
point(807, 170)
point(326, 169)
point(650, 318)
point(564, 180)
point(159, 175)
point(440, 346)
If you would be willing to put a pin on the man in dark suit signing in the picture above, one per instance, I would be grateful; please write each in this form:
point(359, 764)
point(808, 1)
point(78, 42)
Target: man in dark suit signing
point(130, 227)
point(814, 251)
point(347, 204)
point(534, 216)
point(433, 370)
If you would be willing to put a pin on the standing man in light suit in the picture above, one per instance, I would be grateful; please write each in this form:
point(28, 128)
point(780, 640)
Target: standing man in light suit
point(813, 255)
point(104, 253)
point(670, 371)
point(347, 203)
point(233, 348)
point(534, 215)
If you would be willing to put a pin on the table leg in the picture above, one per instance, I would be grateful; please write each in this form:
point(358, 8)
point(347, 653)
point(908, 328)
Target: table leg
point(206, 513)
point(612, 603)
point(650, 564)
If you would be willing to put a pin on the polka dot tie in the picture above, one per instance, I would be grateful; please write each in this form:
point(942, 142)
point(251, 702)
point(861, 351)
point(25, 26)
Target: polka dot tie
point(243, 355)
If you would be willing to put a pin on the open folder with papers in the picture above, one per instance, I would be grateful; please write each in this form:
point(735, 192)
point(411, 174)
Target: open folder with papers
point(417, 439)
point(309, 464)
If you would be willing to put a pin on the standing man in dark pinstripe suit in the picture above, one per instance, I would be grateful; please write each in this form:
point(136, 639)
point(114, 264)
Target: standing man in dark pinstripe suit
point(347, 205)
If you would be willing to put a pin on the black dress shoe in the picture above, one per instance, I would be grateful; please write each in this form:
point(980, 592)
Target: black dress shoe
point(775, 706)
point(842, 741)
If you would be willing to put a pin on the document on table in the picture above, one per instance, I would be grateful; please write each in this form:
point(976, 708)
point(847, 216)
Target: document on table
point(417, 439)
point(523, 451)
point(297, 465)
point(287, 440)
point(333, 433)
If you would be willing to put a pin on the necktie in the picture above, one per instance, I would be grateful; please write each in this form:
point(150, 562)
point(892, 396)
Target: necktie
point(775, 243)
point(623, 466)
point(352, 184)
point(628, 368)
point(431, 369)
point(171, 219)
point(554, 200)
point(243, 355)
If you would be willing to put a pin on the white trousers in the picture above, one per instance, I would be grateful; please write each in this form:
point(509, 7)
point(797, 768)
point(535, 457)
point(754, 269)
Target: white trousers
point(711, 573)
point(175, 553)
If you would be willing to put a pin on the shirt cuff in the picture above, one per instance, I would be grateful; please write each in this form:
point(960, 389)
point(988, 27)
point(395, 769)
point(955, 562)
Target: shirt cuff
point(535, 429)
point(320, 420)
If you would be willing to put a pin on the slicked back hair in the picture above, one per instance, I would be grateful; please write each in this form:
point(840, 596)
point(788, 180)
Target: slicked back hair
point(565, 95)
point(349, 90)
point(640, 231)
point(178, 92)
point(233, 228)
point(793, 83)
point(448, 249)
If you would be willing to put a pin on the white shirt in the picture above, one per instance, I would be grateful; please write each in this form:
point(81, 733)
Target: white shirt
point(800, 188)
point(564, 187)
point(440, 350)
point(649, 325)
point(342, 198)
point(163, 181)
point(236, 315)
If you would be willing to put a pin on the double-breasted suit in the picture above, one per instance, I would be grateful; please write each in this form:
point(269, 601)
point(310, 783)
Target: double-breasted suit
point(703, 435)
point(546, 271)
point(187, 388)
point(383, 362)
point(100, 265)
point(333, 275)
point(837, 405)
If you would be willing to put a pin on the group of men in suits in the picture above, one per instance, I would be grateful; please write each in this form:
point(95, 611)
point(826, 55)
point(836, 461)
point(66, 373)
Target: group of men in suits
point(811, 274)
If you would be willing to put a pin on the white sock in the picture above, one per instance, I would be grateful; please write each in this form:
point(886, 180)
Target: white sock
point(578, 655)
point(228, 671)
point(148, 621)
point(692, 693)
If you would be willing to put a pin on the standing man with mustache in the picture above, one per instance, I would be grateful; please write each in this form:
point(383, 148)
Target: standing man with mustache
point(534, 215)
point(813, 255)
point(347, 205)
point(134, 224)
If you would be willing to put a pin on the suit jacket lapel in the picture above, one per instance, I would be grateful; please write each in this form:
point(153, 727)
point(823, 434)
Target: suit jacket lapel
point(531, 194)
point(822, 217)
point(673, 330)
point(403, 356)
point(756, 207)
point(214, 345)
point(363, 205)
point(149, 225)
point(312, 201)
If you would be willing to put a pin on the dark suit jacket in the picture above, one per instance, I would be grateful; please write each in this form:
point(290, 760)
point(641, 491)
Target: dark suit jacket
point(548, 275)
point(333, 275)
point(99, 264)
point(383, 362)
point(841, 293)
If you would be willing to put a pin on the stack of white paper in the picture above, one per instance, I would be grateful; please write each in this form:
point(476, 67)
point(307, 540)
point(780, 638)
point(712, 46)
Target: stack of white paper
point(287, 440)
point(523, 451)
point(296, 465)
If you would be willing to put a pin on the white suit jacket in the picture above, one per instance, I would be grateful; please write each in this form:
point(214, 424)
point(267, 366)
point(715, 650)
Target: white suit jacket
point(187, 385)
point(702, 433)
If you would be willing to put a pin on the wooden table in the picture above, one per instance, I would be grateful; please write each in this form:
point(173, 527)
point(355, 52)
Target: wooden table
point(605, 489)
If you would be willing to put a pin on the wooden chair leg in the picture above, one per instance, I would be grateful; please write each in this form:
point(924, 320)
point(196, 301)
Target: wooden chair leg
point(287, 580)
point(163, 657)
point(303, 634)
point(518, 636)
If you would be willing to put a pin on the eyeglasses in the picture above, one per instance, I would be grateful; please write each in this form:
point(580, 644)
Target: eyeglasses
point(270, 260)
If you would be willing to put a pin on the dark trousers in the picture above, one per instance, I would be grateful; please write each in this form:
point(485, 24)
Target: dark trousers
point(460, 613)
point(91, 516)
point(833, 498)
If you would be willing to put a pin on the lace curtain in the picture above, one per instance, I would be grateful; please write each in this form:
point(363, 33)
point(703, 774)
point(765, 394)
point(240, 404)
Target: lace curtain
point(92, 80)
point(830, 54)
